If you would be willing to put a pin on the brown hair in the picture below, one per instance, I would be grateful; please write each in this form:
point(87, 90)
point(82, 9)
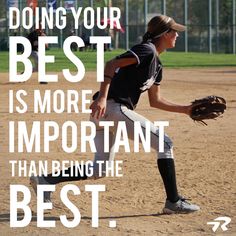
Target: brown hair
point(159, 25)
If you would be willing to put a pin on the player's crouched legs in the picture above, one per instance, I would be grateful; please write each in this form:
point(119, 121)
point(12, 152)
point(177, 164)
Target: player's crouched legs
point(63, 176)
point(174, 202)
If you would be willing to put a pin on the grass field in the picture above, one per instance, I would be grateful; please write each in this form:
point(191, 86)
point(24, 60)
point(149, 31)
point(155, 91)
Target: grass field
point(169, 59)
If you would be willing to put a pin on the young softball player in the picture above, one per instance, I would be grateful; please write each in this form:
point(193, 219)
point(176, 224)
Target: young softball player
point(126, 77)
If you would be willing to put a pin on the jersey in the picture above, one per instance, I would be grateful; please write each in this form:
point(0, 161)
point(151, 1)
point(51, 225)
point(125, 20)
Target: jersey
point(33, 38)
point(130, 81)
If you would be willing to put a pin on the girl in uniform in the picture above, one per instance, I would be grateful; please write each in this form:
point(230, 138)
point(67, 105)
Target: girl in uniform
point(127, 76)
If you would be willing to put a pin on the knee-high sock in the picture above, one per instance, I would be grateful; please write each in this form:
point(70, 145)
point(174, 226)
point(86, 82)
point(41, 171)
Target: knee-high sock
point(59, 179)
point(167, 170)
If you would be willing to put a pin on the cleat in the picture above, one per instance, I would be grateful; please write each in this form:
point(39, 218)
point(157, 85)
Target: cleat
point(181, 206)
point(35, 181)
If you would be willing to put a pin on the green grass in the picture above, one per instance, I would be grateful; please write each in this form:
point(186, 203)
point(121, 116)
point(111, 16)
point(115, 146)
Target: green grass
point(181, 59)
point(169, 59)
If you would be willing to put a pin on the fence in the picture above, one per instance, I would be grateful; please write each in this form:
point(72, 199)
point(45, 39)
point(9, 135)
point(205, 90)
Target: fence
point(210, 24)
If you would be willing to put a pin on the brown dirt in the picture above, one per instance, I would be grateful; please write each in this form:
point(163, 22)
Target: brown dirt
point(205, 164)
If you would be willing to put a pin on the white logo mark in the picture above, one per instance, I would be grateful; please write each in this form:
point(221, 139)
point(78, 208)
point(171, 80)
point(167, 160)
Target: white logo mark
point(216, 223)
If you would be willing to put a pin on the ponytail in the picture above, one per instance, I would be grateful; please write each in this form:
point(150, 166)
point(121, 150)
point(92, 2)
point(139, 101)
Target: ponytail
point(147, 37)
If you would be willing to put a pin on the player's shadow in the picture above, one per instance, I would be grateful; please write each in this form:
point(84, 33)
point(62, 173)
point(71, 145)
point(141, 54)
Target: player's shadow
point(6, 217)
point(9, 83)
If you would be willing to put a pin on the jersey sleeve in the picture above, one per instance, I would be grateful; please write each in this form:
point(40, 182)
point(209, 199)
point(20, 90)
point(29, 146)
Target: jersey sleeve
point(142, 52)
point(158, 78)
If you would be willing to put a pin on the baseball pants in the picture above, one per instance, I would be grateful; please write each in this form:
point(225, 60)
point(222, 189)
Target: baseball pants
point(118, 112)
point(34, 56)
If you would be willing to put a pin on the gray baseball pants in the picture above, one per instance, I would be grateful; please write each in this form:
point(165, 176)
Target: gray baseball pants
point(118, 112)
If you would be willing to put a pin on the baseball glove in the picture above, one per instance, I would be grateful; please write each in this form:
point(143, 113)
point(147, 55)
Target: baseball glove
point(209, 107)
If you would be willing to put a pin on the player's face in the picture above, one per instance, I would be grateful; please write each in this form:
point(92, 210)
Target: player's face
point(171, 37)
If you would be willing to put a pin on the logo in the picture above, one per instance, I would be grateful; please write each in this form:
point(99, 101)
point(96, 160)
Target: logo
point(221, 221)
point(148, 84)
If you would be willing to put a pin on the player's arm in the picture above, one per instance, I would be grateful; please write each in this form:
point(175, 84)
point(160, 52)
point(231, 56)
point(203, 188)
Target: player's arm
point(98, 107)
point(109, 72)
point(115, 63)
point(157, 101)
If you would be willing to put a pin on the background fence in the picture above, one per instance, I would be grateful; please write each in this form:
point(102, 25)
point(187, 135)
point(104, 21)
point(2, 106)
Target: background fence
point(210, 24)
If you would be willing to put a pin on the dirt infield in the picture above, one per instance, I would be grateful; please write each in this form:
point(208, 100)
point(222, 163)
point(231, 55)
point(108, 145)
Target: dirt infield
point(205, 163)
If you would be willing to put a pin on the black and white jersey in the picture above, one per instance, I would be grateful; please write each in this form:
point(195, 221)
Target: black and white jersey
point(129, 82)
point(33, 38)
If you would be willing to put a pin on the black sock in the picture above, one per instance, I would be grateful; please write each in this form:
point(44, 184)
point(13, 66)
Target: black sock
point(59, 179)
point(167, 171)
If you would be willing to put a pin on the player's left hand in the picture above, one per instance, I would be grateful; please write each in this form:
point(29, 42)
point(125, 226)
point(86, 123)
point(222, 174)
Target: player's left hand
point(188, 109)
point(209, 107)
